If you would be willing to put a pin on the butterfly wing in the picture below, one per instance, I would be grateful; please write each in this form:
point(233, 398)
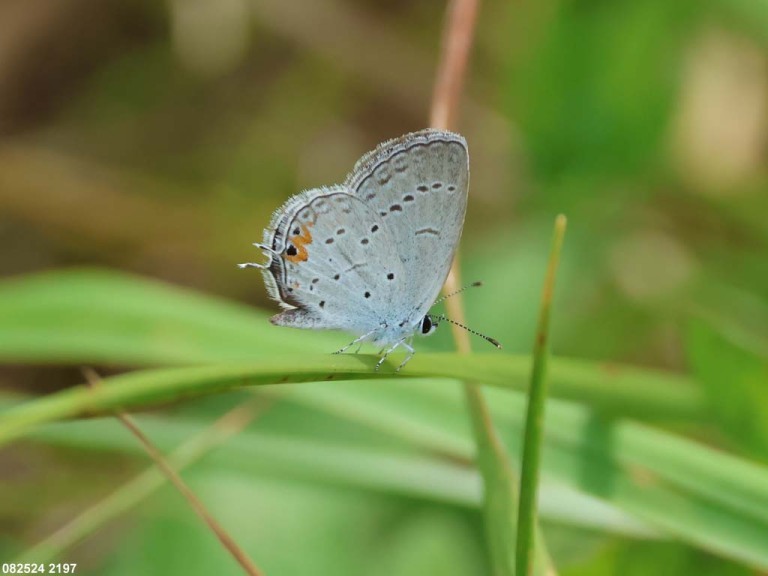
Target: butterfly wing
point(417, 184)
point(334, 262)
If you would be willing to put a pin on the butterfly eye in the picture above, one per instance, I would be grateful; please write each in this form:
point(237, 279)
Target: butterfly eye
point(427, 325)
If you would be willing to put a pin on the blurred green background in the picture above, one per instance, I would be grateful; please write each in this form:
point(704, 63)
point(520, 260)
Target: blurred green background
point(154, 139)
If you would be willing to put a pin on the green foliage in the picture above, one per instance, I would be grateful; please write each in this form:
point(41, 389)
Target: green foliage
point(676, 486)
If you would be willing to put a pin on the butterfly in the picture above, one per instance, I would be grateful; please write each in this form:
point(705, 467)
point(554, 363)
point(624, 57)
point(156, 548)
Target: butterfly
point(370, 256)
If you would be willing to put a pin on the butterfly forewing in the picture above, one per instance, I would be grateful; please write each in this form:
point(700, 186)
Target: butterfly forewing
point(418, 185)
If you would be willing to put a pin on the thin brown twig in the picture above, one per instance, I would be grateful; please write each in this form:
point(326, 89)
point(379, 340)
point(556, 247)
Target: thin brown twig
point(499, 484)
point(142, 485)
point(458, 35)
point(226, 540)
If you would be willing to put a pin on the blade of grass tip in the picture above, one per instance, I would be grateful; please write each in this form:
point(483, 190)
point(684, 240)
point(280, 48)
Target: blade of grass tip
point(172, 475)
point(143, 485)
point(537, 395)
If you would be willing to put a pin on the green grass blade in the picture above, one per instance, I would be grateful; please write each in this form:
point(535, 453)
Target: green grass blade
point(697, 521)
point(148, 388)
point(701, 496)
point(537, 397)
point(397, 472)
point(707, 498)
point(92, 317)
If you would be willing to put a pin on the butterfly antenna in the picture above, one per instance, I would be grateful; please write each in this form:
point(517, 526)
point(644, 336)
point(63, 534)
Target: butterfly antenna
point(491, 340)
point(459, 291)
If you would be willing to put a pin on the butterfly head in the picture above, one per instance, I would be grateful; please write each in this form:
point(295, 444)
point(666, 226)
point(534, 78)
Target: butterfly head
point(427, 325)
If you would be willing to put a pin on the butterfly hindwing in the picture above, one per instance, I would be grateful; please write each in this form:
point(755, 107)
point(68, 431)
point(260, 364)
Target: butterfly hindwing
point(335, 260)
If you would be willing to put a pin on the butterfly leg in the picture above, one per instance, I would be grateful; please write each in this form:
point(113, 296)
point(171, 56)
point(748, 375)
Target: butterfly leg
point(268, 252)
point(394, 347)
point(411, 352)
point(358, 340)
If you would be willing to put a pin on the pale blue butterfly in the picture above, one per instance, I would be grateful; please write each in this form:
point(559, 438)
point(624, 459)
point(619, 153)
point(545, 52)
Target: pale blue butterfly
point(370, 256)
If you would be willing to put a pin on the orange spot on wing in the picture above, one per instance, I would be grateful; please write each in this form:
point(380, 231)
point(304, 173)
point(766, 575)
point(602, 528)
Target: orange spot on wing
point(300, 242)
